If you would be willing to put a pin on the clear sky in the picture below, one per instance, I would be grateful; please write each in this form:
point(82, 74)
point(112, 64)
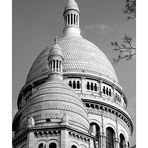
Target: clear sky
point(37, 22)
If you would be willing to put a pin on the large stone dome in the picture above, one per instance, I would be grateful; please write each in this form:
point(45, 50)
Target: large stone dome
point(53, 100)
point(80, 56)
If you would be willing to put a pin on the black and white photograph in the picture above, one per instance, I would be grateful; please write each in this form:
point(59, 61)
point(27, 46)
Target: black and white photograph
point(73, 74)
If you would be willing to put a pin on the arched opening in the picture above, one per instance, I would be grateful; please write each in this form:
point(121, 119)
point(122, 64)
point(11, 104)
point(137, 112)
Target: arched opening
point(52, 145)
point(122, 141)
point(71, 18)
point(73, 146)
point(70, 83)
point(128, 144)
point(78, 85)
point(88, 85)
point(95, 131)
point(110, 92)
point(103, 89)
point(107, 90)
point(74, 84)
point(74, 19)
point(68, 19)
point(54, 64)
point(95, 87)
point(91, 86)
point(57, 65)
point(110, 135)
point(42, 145)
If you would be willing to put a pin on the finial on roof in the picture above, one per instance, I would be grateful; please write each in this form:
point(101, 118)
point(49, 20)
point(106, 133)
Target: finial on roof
point(71, 4)
point(56, 40)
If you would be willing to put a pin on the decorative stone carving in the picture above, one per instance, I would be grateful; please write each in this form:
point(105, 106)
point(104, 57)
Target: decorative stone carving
point(65, 119)
point(31, 122)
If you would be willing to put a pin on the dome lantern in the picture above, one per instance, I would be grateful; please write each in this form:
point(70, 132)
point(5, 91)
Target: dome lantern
point(71, 18)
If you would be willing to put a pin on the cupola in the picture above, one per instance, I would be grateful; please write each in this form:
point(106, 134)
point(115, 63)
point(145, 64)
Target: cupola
point(55, 61)
point(71, 18)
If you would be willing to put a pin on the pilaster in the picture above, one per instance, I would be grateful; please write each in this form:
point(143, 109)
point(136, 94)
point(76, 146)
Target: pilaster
point(116, 141)
point(64, 139)
point(30, 140)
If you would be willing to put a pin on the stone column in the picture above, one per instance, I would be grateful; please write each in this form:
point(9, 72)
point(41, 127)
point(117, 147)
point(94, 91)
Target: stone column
point(30, 140)
point(82, 84)
point(64, 139)
point(117, 138)
point(103, 134)
point(114, 93)
point(92, 143)
point(102, 140)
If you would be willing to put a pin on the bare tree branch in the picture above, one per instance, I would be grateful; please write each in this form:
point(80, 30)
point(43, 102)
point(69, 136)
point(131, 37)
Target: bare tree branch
point(130, 9)
point(125, 50)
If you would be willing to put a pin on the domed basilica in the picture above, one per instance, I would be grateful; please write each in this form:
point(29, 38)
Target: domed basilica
point(72, 97)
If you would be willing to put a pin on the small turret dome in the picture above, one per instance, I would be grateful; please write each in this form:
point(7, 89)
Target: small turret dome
point(53, 100)
point(71, 4)
point(55, 50)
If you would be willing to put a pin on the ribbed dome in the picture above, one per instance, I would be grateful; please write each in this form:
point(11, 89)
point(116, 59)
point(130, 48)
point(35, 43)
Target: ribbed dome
point(80, 56)
point(53, 100)
point(71, 4)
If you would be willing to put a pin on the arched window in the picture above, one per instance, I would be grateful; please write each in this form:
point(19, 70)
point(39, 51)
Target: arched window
point(95, 131)
point(103, 89)
point(70, 83)
point(41, 145)
point(52, 145)
point(54, 64)
point(78, 85)
point(88, 86)
point(57, 64)
point(74, 84)
point(95, 87)
point(91, 86)
point(122, 141)
point(110, 92)
point(110, 134)
point(73, 146)
point(107, 90)
point(128, 144)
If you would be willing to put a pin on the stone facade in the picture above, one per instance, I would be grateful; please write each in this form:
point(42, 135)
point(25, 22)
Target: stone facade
point(72, 97)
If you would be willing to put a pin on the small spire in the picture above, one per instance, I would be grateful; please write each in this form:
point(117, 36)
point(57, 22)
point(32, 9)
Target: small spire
point(55, 60)
point(56, 40)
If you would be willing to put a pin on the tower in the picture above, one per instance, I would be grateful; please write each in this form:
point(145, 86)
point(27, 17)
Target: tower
point(72, 96)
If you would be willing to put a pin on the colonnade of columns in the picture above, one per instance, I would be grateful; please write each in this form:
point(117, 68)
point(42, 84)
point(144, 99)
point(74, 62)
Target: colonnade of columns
point(55, 65)
point(72, 19)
